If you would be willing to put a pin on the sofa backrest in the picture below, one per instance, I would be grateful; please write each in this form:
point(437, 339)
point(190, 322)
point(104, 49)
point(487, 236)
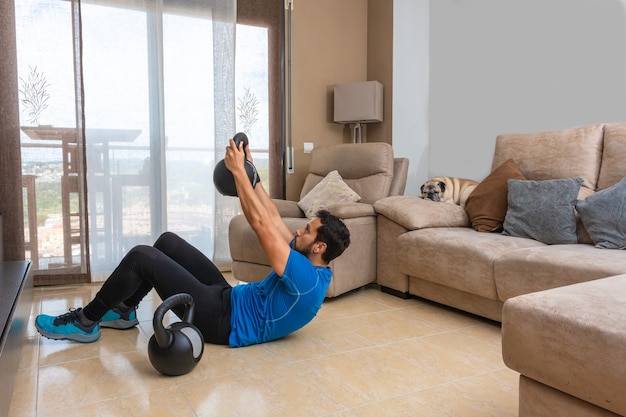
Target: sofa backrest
point(566, 153)
point(613, 167)
point(366, 167)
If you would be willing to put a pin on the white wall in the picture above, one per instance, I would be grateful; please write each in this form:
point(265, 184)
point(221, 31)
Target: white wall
point(410, 88)
point(502, 66)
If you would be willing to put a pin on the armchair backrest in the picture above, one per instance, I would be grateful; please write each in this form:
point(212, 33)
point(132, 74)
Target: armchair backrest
point(400, 174)
point(368, 168)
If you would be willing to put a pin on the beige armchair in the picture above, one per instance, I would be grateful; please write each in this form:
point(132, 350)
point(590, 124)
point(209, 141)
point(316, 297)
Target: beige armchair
point(372, 172)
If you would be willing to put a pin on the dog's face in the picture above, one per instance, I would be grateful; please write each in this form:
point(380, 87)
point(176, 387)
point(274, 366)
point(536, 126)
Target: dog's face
point(433, 190)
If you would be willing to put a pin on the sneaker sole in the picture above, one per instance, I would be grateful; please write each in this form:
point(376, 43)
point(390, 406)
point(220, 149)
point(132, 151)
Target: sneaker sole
point(82, 338)
point(119, 324)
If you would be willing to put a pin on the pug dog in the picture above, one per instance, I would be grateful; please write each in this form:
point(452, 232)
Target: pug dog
point(448, 190)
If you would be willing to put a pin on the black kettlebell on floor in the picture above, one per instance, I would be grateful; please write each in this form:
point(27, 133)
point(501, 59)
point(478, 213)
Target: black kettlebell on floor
point(223, 178)
point(177, 349)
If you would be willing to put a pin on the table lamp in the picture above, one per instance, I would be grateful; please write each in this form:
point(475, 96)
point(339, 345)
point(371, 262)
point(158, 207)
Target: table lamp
point(357, 103)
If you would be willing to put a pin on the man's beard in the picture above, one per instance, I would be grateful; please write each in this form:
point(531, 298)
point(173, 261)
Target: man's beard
point(305, 251)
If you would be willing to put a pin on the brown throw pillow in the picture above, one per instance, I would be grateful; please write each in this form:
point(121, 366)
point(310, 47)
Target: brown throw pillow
point(487, 205)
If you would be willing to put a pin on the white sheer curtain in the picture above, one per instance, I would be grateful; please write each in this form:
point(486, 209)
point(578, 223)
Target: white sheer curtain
point(51, 138)
point(159, 109)
point(151, 85)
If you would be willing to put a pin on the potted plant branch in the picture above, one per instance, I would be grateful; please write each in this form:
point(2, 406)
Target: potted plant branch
point(34, 90)
point(248, 108)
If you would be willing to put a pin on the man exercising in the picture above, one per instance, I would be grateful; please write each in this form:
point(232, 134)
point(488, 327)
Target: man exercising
point(286, 300)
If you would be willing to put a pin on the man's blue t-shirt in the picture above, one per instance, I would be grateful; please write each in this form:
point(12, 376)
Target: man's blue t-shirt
point(273, 308)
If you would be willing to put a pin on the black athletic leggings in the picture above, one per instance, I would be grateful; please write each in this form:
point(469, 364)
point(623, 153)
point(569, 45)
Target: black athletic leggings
point(171, 266)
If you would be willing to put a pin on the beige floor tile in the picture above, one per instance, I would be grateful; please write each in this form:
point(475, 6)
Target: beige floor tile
point(403, 406)
point(496, 390)
point(60, 351)
point(449, 355)
point(219, 361)
point(112, 342)
point(30, 353)
point(388, 326)
point(373, 292)
point(370, 375)
point(487, 332)
point(31, 330)
point(162, 403)
point(92, 380)
point(290, 390)
point(486, 395)
point(319, 338)
point(348, 305)
point(37, 296)
point(24, 401)
point(346, 413)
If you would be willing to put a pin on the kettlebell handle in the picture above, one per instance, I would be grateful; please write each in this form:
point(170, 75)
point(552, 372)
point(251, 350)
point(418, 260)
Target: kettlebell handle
point(241, 137)
point(162, 335)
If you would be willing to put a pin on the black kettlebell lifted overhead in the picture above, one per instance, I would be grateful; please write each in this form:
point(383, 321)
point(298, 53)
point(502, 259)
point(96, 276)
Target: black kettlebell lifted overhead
point(223, 178)
point(177, 349)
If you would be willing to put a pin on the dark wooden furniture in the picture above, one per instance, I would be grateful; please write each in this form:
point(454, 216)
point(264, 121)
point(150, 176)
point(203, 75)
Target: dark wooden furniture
point(16, 300)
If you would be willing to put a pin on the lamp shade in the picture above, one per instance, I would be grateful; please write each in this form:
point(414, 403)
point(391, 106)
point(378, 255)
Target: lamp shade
point(358, 102)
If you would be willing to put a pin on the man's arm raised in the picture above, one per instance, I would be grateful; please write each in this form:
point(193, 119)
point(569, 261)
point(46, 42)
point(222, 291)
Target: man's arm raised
point(259, 210)
point(273, 211)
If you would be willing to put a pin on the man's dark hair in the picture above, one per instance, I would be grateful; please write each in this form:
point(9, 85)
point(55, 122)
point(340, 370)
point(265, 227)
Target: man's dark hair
point(334, 233)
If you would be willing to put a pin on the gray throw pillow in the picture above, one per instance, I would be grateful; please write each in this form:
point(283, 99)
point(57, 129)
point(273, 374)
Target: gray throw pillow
point(604, 216)
point(543, 210)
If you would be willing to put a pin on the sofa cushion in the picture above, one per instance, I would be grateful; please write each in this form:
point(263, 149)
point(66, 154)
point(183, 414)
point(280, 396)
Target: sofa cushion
point(328, 192)
point(533, 269)
point(487, 204)
point(557, 154)
point(457, 257)
point(352, 210)
point(572, 339)
point(414, 212)
point(604, 216)
point(543, 210)
point(613, 167)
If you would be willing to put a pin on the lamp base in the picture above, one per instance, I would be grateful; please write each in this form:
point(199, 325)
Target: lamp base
point(359, 128)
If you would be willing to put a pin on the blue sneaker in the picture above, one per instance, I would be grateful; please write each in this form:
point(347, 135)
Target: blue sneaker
point(116, 318)
point(67, 327)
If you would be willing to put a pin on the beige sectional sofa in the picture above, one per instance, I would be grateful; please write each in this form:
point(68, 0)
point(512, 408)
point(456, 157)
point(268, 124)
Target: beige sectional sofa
point(431, 250)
